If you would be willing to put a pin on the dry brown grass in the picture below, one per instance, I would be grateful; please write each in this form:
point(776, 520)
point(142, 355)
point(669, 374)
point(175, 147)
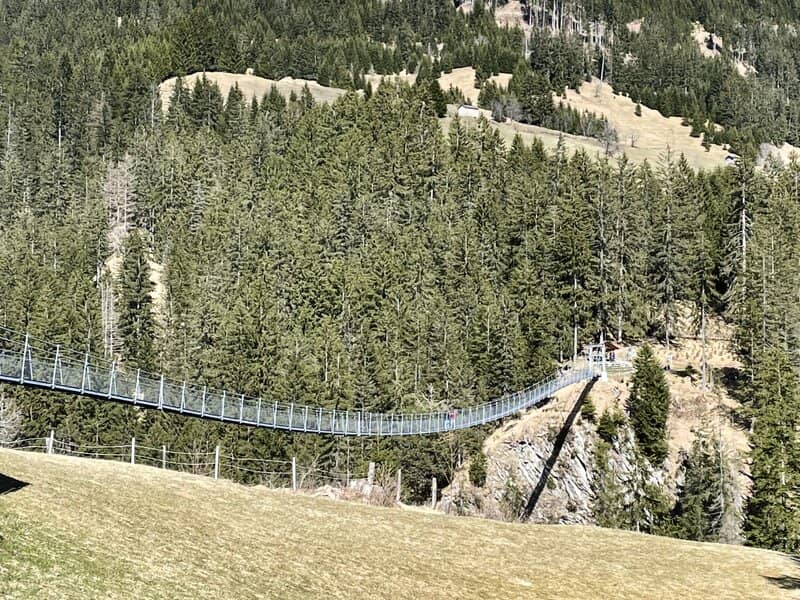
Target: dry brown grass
point(510, 14)
point(251, 86)
point(92, 529)
point(652, 133)
point(462, 78)
point(548, 137)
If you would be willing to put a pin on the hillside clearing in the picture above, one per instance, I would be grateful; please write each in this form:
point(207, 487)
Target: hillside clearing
point(251, 86)
point(652, 133)
point(89, 529)
point(647, 137)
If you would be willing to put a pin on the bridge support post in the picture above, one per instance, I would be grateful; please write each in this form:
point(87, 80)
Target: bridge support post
point(136, 387)
point(163, 457)
point(111, 379)
point(24, 357)
point(55, 366)
point(603, 372)
point(216, 462)
point(133, 450)
point(434, 492)
point(85, 372)
point(399, 485)
point(294, 474)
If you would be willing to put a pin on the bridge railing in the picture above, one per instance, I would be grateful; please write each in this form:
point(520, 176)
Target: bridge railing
point(28, 361)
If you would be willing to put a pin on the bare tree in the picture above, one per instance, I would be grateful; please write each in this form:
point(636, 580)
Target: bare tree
point(10, 419)
point(609, 137)
point(513, 110)
point(634, 137)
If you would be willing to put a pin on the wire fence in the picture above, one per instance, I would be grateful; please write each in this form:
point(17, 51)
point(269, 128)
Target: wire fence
point(270, 472)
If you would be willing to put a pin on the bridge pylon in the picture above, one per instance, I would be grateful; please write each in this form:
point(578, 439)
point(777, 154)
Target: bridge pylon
point(596, 355)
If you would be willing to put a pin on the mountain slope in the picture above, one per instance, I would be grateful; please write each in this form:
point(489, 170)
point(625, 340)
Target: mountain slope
point(88, 529)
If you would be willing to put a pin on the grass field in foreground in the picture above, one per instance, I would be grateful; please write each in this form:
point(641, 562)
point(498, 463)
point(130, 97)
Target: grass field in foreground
point(93, 529)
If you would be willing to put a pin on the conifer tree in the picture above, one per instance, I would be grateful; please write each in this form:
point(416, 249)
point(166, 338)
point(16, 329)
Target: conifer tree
point(136, 322)
point(532, 89)
point(773, 510)
point(706, 510)
point(648, 406)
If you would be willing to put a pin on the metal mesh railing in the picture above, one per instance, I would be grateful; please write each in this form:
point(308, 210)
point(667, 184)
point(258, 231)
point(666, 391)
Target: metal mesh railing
point(36, 363)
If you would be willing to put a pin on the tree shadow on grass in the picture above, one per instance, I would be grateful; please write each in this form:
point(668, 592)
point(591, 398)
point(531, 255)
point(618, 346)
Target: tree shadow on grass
point(786, 582)
point(9, 484)
point(561, 438)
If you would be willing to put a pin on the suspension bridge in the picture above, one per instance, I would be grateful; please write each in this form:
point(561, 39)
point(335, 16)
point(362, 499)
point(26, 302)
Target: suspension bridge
point(36, 363)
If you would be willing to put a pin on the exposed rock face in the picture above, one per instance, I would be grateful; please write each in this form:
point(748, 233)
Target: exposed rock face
point(538, 469)
point(567, 494)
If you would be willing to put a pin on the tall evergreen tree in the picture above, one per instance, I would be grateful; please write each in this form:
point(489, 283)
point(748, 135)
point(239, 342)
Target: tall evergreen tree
point(706, 509)
point(136, 322)
point(773, 510)
point(648, 406)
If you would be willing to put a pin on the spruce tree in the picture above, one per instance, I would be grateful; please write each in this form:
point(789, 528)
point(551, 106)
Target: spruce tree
point(706, 510)
point(609, 500)
point(773, 510)
point(136, 323)
point(648, 406)
point(533, 92)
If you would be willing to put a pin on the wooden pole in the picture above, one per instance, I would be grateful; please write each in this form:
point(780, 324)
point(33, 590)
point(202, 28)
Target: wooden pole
point(216, 462)
point(163, 457)
point(133, 450)
point(371, 474)
point(433, 492)
point(294, 474)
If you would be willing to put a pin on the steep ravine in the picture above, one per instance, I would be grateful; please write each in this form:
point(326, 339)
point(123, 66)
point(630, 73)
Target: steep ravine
point(542, 470)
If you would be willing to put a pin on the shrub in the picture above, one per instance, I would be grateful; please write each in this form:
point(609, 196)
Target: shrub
point(477, 469)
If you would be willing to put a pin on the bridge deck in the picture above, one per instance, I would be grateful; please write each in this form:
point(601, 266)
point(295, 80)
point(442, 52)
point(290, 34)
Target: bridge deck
point(34, 363)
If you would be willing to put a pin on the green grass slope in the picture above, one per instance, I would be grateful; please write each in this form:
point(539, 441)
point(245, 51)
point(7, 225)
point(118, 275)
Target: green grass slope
point(94, 529)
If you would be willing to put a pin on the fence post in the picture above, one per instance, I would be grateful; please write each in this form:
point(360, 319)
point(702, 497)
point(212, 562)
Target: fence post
point(371, 473)
point(294, 474)
point(216, 462)
point(163, 457)
point(50, 441)
point(133, 450)
point(399, 484)
point(433, 492)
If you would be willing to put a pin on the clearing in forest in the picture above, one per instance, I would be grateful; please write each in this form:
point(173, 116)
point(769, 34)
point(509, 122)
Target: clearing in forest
point(645, 137)
point(251, 86)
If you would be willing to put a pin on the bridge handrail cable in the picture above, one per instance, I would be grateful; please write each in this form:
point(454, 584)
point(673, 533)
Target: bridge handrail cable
point(33, 362)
